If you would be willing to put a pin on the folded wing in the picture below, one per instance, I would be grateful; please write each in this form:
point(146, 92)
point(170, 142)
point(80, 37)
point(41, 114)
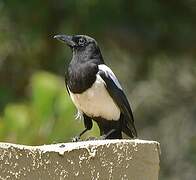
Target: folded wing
point(115, 90)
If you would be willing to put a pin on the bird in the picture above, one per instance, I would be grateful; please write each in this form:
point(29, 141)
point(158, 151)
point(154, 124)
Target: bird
point(95, 90)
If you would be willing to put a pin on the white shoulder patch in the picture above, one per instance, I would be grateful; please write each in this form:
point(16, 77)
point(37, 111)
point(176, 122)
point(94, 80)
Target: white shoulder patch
point(109, 72)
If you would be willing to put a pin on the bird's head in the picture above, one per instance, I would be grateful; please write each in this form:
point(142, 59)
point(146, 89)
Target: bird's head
point(81, 45)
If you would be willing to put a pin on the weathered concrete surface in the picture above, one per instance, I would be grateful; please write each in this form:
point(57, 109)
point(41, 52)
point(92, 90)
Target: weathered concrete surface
point(101, 159)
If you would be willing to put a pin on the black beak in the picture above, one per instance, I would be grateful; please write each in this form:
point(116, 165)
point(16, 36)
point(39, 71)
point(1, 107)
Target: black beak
point(67, 39)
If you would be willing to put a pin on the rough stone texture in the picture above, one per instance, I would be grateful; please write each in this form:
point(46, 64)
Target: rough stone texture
point(100, 159)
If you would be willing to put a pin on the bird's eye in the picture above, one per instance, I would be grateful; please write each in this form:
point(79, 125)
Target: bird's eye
point(81, 41)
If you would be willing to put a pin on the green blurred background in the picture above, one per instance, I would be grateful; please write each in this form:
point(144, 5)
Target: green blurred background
point(151, 47)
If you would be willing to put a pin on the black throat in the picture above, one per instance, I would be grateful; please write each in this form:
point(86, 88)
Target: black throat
point(81, 76)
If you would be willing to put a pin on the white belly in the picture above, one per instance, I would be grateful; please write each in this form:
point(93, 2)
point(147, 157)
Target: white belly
point(96, 102)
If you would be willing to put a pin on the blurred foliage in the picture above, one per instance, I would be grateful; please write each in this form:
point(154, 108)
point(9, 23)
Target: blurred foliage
point(46, 117)
point(150, 45)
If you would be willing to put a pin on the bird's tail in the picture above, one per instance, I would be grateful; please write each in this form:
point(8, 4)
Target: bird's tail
point(129, 129)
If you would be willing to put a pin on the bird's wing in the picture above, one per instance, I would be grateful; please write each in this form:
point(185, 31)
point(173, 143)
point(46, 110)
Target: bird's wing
point(67, 89)
point(115, 90)
point(66, 85)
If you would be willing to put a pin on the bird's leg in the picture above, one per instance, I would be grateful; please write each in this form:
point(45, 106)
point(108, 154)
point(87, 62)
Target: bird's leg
point(107, 134)
point(88, 124)
point(77, 138)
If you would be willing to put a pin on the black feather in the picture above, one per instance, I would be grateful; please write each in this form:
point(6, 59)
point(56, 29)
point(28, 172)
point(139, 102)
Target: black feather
point(120, 99)
point(86, 64)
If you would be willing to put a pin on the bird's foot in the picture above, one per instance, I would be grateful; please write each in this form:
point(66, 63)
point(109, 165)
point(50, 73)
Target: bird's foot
point(103, 137)
point(91, 138)
point(76, 139)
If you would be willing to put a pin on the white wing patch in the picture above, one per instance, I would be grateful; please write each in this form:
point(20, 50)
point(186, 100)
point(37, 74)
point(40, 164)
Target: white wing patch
point(96, 101)
point(109, 72)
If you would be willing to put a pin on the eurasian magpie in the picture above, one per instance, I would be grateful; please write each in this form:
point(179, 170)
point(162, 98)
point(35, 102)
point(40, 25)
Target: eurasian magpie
point(95, 90)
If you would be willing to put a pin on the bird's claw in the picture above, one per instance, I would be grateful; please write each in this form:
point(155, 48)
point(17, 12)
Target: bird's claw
point(91, 139)
point(103, 137)
point(76, 139)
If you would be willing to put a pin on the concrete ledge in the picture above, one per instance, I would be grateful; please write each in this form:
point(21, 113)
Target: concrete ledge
point(99, 159)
